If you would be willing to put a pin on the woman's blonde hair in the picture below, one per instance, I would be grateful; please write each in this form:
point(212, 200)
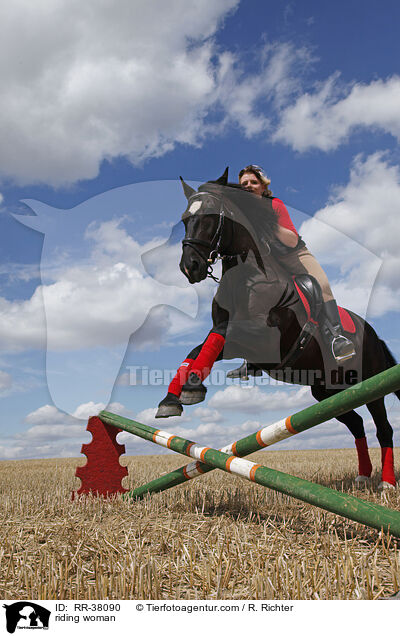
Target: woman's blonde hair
point(260, 174)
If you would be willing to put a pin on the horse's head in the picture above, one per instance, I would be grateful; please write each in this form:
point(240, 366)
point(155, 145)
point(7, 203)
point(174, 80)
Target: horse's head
point(222, 219)
point(204, 222)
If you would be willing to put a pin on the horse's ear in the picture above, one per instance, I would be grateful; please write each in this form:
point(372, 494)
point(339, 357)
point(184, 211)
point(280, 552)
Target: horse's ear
point(187, 189)
point(223, 179)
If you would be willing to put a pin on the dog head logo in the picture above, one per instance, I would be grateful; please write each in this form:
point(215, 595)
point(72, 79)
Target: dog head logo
point(25, 615)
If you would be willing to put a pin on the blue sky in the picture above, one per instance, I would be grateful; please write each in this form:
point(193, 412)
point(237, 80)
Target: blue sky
point(102, 109)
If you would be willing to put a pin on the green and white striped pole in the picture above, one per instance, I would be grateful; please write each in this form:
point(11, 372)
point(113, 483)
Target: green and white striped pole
point(369, 514)
point(348, 399)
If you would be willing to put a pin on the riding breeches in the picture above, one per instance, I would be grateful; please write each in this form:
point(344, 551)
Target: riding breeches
point(301, 261)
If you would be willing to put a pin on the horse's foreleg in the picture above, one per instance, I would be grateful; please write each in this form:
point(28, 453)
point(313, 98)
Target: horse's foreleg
point(384, 433)
point(186, 387)
point(194, 390)
point(182, 374)
point(209, 353)
point(171, 405)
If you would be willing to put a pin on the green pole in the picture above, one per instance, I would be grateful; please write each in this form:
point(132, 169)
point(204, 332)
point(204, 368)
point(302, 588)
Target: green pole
point(369, 514)
point(348, 399)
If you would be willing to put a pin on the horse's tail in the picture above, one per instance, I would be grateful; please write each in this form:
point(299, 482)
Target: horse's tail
point(390, 360)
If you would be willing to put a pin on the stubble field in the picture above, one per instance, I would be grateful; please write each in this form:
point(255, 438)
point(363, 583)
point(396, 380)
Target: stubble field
point(216, 537)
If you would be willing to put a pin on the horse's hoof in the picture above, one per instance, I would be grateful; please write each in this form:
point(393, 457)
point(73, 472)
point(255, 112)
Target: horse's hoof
point(385, 485)
point(362, 480)
point(192, 397)
point(170, 406)
point(193, 391)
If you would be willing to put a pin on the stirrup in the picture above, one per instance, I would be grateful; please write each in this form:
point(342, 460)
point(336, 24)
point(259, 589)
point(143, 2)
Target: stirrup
point(243, 372)
point(346, 346)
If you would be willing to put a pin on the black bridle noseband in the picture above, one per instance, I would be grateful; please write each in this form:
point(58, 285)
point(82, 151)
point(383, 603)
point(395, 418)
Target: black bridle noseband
point(214, 245)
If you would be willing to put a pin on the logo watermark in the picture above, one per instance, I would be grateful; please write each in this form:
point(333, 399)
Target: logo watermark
point(26, 615)
point(335, 378)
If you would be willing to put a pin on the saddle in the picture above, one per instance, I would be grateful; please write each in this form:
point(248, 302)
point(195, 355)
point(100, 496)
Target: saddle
point(310, 294)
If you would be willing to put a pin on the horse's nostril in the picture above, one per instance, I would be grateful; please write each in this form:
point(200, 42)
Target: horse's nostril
point(195, 265)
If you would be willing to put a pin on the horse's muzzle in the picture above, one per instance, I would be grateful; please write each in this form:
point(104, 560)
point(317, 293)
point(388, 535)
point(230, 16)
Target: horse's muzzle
point(192, 266)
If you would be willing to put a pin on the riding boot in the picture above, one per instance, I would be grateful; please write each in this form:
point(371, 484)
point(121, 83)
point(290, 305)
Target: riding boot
point(342, 348)
point(243, 372)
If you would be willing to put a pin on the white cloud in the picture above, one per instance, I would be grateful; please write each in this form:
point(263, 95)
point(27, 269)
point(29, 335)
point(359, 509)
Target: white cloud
point(133, 80)
point(253, 400)
point(246, 97)
point(98, 301)
point(83, 94)
point(48, 424)
point(147, 416)
point(52, 433)
point(326, 118)
point(48, 415)
point(6, 381)
point(364, 209)
point(22, 324)
point(98, 81)
point(84, 411)
point(208, 415)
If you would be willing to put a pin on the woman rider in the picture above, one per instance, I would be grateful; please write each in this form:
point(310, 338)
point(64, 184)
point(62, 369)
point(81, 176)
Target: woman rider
point(294, 256)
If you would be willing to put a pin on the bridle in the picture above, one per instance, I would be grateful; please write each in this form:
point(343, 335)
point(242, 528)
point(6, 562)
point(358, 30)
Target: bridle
point(214, 245)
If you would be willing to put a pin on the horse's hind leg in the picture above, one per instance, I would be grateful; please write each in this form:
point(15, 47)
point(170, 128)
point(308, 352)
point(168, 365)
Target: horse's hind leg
point(384, 433)
point(354, 423)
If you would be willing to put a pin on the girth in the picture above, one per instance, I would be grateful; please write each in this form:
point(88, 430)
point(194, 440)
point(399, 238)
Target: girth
point(309, 287)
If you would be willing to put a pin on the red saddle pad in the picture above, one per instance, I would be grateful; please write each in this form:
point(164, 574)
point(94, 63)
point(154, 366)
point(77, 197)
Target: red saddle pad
point(345, 318)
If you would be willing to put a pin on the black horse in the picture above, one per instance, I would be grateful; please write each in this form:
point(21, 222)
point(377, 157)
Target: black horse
point(261, 313)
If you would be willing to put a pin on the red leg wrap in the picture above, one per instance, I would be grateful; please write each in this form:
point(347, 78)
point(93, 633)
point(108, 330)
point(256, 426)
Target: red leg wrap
point(388, 465)
point(364, 462)
point(181, 377)
point(208, 354)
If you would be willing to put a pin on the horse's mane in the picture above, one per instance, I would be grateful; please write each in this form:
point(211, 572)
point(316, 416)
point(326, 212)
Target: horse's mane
point(252, 211)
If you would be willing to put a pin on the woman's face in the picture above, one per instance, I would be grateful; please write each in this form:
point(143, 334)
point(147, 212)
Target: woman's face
point(249, 181)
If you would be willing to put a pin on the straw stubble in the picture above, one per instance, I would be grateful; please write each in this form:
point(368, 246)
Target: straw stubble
point(218, 537)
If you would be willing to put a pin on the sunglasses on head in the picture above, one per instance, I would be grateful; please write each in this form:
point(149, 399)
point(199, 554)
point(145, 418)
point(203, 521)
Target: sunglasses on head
point(253, 168)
